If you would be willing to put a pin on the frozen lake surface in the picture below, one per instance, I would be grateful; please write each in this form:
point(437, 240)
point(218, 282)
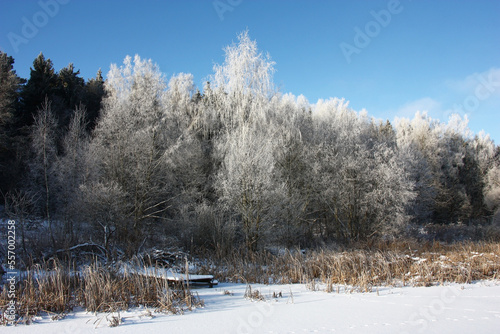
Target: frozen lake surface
point(453, 308)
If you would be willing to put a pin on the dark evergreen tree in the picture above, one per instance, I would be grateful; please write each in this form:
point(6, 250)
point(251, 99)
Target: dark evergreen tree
point(93, 95)
point(41, 84)
point(69, 93)
point(10, 86)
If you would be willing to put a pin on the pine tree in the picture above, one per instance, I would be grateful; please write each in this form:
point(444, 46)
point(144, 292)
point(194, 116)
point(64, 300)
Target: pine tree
point(68, 94)
point(41, 85)
point(10, 86)
point(93, 95)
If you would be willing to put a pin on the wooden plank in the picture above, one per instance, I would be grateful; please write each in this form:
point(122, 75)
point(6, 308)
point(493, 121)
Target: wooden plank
point(175, 277)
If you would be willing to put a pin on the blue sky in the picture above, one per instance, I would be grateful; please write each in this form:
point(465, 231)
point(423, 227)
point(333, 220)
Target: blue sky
point(434, 55)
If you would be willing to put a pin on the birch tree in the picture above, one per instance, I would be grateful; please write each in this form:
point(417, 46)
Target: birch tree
point(246, 79)
point(71, 169)
point(247, 181)
point(131, 140)
point(42, 171)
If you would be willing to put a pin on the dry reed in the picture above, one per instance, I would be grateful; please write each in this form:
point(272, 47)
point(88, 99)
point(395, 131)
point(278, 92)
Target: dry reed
point(52, 288)
point(403, 263)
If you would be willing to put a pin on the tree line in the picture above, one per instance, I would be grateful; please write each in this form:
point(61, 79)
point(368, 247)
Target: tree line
point(138, 161)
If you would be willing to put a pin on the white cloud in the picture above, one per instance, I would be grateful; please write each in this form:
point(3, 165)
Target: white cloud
point(476, 93)
point(482, 85)
point(430, 105)
point(477, 97)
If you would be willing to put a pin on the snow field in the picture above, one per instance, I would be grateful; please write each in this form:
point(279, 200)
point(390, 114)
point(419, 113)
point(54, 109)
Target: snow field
point(454, 308)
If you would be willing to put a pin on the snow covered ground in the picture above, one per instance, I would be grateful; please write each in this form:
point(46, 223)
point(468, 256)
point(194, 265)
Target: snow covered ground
point(455, 308)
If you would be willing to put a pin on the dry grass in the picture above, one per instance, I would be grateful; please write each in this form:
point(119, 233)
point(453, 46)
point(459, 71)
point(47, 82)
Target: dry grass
point(55, 289)
point(403, 263)
point(254, 295)
point(45, 288)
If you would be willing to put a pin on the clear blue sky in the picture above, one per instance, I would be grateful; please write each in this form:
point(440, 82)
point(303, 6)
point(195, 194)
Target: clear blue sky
point(430, 55)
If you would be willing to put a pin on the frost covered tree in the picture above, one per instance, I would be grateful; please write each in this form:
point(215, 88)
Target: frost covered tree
point(247, 180)
point(186, 157)
point(453, 200)
point(238, 113)
point(42, 165)
point(480, 159)
point(291, 123)
point(71, 170)
point(448, 166)
point(142, 147)
point(246, 80)
point(418, 142)
point(246, 71)
point(492, 190)
point(130, 142)
point(362, 188)
point(106, 207)
point(237, 161)
point(492, 186)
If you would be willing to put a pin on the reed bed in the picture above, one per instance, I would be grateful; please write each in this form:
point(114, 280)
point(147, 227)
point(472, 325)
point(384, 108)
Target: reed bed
point(361, 269)
point(56, 289)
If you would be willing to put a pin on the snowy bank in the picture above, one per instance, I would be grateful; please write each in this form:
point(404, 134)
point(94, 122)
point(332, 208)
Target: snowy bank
point(454, 308)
